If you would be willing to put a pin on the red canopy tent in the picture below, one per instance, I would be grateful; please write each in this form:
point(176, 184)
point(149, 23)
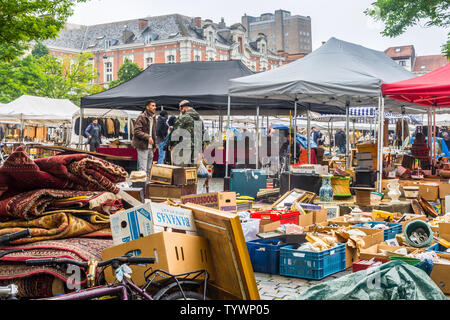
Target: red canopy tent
point(430, 90)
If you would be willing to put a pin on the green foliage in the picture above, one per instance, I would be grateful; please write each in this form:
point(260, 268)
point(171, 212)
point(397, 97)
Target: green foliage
point(22, 21)
point(48, 76)
point(398, 15)
point(127, 71)
point(39, 50)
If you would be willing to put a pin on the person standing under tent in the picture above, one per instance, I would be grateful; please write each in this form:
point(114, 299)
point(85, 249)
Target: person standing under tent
point(161, 133)
point(145, 136)
point(94, 134)
point(314, 135)
point(340, 140)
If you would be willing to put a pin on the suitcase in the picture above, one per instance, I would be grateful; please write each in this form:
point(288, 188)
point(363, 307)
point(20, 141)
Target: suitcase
point(248, 182)
point(304, 181)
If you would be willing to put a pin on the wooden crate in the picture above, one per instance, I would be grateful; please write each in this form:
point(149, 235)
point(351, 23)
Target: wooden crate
point(155, 190)
point(173, 175)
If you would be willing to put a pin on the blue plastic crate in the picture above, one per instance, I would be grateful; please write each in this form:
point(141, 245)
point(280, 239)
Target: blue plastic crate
point(311, 265)
point(394, 228)
point(265, 255)
point(437, 247)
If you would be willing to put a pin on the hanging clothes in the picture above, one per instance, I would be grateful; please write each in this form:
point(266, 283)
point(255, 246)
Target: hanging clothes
point(110, 127)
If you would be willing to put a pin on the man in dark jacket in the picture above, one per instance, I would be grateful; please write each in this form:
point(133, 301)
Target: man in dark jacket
point(161, 133)
point(339, 139)
point(145, 136)
point(94, 134)
point(187, 121)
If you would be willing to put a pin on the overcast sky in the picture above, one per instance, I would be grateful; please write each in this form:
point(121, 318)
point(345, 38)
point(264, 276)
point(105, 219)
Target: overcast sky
point(343, 19)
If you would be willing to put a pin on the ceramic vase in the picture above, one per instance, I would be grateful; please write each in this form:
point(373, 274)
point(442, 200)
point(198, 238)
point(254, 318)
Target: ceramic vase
point(326, 191)
point(394, 190)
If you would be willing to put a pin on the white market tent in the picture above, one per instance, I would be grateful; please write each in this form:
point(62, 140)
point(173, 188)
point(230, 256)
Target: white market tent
point(339, 73)
point(38, 109)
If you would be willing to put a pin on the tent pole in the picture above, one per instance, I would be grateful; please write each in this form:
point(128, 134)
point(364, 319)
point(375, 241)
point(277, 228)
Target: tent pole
point(347, 134)
point(380, 144)
point(308, 131)
point(331, 136)
point(295, 131)
point(403, 128)
point(80, 136)
point(434, 133)
point(129, 128)
point(226, 141)
point(257, 138)
point(354, 136)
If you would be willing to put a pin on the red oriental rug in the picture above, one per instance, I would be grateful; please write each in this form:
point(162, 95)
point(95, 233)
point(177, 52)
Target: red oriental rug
point(37, 281)
point(19, 173)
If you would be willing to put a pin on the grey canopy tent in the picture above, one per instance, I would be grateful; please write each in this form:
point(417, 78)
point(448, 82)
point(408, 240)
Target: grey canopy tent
point(338, 73)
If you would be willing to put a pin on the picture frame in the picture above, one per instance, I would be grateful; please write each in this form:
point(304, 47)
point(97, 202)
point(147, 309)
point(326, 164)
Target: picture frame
point(333, 210)
point(289, 197)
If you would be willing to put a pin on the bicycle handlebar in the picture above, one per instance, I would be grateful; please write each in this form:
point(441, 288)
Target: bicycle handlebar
point(7, 238)
point(62, 261)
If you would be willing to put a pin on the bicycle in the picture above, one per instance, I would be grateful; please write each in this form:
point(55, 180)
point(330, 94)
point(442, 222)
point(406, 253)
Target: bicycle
point(172, 287)
point(10, 292)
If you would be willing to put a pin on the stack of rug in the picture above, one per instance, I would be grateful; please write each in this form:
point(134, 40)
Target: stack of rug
point(65, 201)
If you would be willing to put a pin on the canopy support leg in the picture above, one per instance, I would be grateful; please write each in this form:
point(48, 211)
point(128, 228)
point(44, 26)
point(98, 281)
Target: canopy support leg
point(227, 140)
point(347, 134)
point(295, 131)
point(380, 144)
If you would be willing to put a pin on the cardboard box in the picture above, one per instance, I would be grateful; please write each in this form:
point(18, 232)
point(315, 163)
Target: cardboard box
point(131, 224)
point(155, 190)
point(174, 252)
point(441, 276)
point(147, 219)
point(306, 220)
point(137, 193)
point(268, 225)
point(224, 201)
point(375, 251)
point(319, 216)
point(444, 189)
point(429, 191)
point(444, 231)
point(173, 175)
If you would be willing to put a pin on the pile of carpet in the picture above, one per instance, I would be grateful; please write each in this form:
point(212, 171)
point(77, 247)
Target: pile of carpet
point(65, 201)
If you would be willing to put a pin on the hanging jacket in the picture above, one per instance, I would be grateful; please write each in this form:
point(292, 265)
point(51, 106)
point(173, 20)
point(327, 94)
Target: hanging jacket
point(161, 129)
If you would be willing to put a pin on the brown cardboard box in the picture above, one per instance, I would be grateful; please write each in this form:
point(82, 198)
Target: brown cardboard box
point(224, 201)
point(441, 276)
point(319, 216)
point(375, 251)
point(341, 221)
point(306, 220)
point(174, 252)
point(444, 189)
point(268, 225)
point(444, 231)
point(155, 190)
point(429, 191)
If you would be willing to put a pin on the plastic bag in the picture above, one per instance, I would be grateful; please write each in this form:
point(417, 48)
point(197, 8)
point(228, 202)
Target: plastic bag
point(250, 228)
point(202, 172)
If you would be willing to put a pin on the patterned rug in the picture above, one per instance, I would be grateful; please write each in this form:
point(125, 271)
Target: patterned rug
point(19, 173)
point(57, 225)
point(36, 281)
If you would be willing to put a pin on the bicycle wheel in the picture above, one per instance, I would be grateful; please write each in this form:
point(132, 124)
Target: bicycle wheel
point(190, 295)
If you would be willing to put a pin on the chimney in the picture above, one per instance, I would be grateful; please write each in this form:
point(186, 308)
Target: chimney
point(222, 23)
point(198, 22)
point(142, 23)
point(323, 42)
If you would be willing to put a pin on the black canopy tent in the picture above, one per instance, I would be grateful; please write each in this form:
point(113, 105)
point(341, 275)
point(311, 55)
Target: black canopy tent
point(203, 83)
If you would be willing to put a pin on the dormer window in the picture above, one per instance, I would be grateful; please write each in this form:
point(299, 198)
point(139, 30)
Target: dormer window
point(210, 38)
point(398, 49)
point(108, 43)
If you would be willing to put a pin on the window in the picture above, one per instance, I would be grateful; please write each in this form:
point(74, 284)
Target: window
point(398, 49)
point(147, 38)
point(171, 58)
point(148, 61)
point(210, 38)
point(108, 43)
point(108, 71)
point(197, 57)
point(402, 63)
point(211, 59)
point(129, 57)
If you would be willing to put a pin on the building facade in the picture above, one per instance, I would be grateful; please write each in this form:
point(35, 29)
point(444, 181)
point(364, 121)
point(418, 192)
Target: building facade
point(284, 32)
point(163, 39)
point(406, 57)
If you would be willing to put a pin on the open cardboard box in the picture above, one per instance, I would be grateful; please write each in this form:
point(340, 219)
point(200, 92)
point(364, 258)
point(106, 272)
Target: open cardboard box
point(268, 225)
point(444, 231)
point(174, 252)
point(375, 251)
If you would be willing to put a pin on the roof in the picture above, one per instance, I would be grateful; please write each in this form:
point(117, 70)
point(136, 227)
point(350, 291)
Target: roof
point(92, 37)
point(400, 51)
point(429, 63)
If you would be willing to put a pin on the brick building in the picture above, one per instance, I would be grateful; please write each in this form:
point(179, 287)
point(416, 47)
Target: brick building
point(164, 39)
point(285, 32)
point(406, 57)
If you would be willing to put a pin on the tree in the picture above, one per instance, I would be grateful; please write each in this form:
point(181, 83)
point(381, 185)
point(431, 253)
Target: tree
point(39, 50)
point(48, 76)
point(127, 71)
point(27, 20)
point(398, 15)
